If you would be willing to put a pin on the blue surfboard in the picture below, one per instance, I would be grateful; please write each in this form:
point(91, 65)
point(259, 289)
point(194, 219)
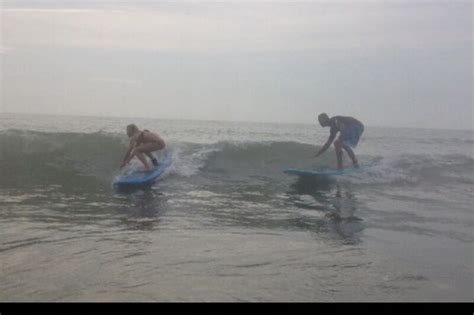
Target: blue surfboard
point(322, 171)
point(144, 177)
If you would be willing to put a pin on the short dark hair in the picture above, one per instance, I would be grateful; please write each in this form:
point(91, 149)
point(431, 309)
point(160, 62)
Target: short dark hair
point(323, 116)
point(132, 127)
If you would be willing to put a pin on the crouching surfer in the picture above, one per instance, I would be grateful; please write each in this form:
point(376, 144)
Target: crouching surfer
point(142, 143)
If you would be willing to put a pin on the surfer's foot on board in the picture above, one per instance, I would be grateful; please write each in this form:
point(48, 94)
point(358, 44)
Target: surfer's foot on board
point(154, 161)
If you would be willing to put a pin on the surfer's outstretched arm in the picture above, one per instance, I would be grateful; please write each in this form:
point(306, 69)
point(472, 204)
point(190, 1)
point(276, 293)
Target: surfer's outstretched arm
point(326, 145)
point(128, 156)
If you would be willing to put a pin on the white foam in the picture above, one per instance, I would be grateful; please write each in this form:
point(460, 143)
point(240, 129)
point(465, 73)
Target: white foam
point(189, 164)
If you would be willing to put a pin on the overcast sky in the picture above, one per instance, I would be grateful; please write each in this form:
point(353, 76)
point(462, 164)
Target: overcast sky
point(388, 63)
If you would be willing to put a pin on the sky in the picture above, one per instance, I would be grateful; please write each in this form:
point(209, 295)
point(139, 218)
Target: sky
point(388, 63)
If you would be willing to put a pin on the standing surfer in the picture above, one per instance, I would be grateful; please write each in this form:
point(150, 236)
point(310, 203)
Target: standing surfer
point(350, 130)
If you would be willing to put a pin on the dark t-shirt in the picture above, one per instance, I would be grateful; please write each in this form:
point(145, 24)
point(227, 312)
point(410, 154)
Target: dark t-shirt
point(342, 120)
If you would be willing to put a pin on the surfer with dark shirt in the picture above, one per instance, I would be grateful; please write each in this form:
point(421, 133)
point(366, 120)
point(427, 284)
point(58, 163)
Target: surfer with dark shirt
point(142, 143)
point(350, 130)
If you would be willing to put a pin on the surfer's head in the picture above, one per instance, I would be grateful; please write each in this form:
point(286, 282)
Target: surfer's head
point(323, 119)
point(131, 130)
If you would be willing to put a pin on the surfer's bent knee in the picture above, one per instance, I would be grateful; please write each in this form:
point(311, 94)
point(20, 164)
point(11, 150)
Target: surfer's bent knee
point(162, 145)
point(159, 145)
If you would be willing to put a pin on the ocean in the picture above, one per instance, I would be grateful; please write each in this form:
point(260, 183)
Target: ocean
point(225, 224)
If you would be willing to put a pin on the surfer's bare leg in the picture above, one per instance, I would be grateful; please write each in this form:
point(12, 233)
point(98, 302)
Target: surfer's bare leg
point(147, 148)
point(142, 159)
point(139, 153)
point(152, 158)
point(351, 154)
point(338, 146)
point(149, 155)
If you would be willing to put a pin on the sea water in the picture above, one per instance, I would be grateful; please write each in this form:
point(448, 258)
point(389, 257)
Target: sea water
point(225, 223)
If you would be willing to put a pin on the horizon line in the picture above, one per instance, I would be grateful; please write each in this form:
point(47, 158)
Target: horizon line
point(223, 120)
